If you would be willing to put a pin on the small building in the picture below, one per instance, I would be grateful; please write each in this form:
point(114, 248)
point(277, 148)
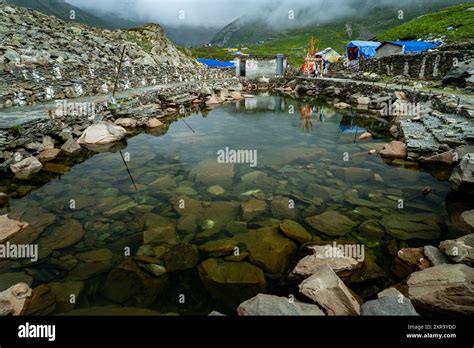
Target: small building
point(390, 48)
point(361, 49)
point(261, 66)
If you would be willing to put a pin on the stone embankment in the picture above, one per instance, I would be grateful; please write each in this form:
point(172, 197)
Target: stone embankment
point(43, 58)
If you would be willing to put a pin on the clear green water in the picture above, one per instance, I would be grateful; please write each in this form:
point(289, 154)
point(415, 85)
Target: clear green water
point(293, 153)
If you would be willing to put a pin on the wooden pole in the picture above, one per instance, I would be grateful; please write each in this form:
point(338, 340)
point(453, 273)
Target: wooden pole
point(118, 71)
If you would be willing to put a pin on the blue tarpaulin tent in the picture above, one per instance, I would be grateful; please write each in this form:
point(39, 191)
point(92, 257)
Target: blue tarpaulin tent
point(214, 63)
point(414, 46)
point(366, 49)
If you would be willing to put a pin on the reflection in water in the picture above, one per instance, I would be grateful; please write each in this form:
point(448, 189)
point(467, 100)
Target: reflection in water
point(189, 249)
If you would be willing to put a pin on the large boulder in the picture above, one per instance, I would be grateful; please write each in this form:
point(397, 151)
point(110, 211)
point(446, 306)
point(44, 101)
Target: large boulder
point(10, 228)
point(443, 289)
point(394, 149)
point(326, 254)
point(435, 256)
point(390, 302)
point(409, 260)
point(460, 250)
point(266, 305)
point(331, 223)
point(102, 133)
point(462, 177)
point(13, 300)
point(268, 249)
point(26, 167)
point(231, 282)
point(412, 226)
point(326, 289)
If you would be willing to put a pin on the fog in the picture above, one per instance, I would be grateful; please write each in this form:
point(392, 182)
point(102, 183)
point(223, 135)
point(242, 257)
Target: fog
point(217, 13)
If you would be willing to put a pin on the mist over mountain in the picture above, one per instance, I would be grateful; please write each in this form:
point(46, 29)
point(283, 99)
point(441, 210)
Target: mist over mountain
point(221, 22)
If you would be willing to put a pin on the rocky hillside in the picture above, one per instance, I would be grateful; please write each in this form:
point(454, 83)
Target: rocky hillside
point(44, 58)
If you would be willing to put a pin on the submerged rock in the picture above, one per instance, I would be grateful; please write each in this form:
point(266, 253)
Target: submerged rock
point(129, 285)
point(331, 223)
point(253, 208)
point(268, 249)
point(216, 248)
point(102, 133)
point(231, 282)
point(443, 289)
point(92, 263)
point(68, 233)
point(295, 231)
point(354, 174)
point(412, 226)
point(25, 168)
point(42, 302)
point(268, 305)
point(181, 257)
point(63, 293)
point(211, 173)
point(283, 208)
point(326, 289)
point(163, 233)
point(215, 190)
point(460, 250)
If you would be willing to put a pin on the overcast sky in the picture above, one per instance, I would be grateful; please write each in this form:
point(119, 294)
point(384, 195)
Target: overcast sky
point(217, 13)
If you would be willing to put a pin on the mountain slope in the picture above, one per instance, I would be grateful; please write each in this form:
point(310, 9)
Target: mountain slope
point(370, 19)
point(460, 20)
point(61, 10)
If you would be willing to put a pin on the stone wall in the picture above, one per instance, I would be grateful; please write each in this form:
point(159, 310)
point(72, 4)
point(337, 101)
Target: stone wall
point(424, 66)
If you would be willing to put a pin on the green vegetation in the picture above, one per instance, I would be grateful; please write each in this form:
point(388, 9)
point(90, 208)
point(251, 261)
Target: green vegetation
point(17, 129)
point(368, 23)
point(140, 40)
point(436, 24)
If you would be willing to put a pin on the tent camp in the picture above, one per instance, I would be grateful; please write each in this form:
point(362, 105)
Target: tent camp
point(361, 49)
point(214, 63)
point(389, 48)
